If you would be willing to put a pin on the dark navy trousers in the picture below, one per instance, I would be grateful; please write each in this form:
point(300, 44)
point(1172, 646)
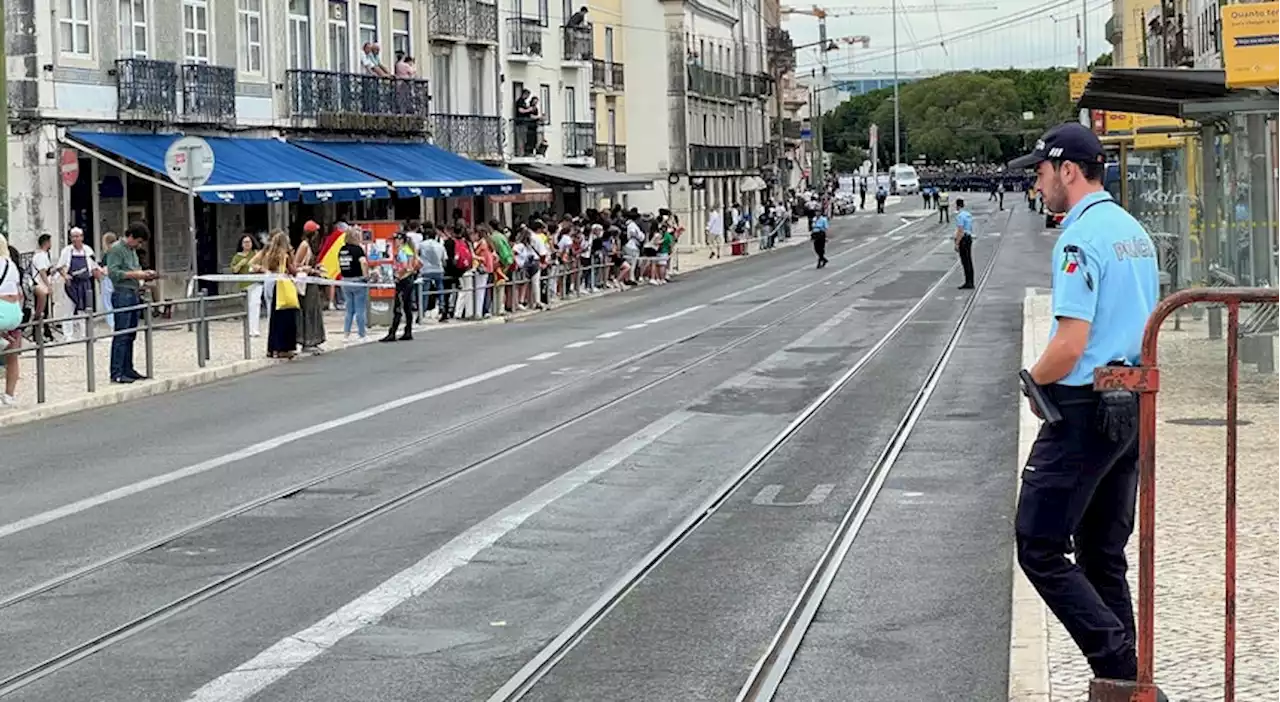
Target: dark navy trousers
point(1079, 491)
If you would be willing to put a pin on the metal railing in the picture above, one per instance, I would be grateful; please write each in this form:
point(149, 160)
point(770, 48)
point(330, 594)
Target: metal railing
point(579, 139)
point(145, 90)
point(714, 158)
point(1145, 380)
point(198, 319)
point(524, 36)
point(358, 102)
point(755, 85)
point(527, 136)
point(607, 75)
point(470, 20)
point(714, 84)
point(611, 156)
point(209, 94)
point(476, 136)
point(756, 157)
point(577, 45)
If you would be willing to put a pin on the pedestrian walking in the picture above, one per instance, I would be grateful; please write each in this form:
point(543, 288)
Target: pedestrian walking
point(881, 195)
point(1079, 486)
point(964, 242)
point(1000, 194)
point(819, 236)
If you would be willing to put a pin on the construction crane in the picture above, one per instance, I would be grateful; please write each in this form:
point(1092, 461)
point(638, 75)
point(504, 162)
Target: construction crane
point(821, 13)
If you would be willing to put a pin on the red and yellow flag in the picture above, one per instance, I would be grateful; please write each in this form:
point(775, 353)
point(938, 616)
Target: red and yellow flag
point(328, 256)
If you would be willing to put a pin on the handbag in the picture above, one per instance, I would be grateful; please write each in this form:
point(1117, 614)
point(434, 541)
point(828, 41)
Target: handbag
point(286, 294)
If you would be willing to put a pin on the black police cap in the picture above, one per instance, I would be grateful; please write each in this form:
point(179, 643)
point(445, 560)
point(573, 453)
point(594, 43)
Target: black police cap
point(1071, 141)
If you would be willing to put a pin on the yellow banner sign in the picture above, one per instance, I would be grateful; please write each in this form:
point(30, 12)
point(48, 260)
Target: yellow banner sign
point(1250, 39)
point(1076, 83)
point(1119, 122)
point(1156, 141)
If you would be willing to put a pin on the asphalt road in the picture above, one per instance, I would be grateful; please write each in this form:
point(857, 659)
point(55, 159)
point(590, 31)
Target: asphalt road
point(534, 464)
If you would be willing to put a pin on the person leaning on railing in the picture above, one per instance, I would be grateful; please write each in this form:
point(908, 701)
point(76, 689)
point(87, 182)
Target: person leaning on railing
point(127, 276)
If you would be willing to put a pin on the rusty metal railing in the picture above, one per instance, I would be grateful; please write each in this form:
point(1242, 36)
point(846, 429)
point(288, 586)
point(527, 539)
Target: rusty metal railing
point(1145, 380)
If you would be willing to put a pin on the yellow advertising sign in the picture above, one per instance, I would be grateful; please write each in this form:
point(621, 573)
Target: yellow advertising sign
point(1250, 39)
point(1076, 83)
point(1119, 122)
point(1156, 141)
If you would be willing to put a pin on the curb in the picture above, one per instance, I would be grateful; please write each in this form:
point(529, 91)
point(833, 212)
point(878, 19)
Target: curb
point(1028, 623)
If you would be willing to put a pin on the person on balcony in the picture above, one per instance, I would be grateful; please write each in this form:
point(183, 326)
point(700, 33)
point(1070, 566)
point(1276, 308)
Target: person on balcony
point(578, 19)
point(526, 120)
point(406, 67)
point(372, 60)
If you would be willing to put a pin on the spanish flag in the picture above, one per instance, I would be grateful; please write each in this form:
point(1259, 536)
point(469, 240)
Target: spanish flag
point(328, 256)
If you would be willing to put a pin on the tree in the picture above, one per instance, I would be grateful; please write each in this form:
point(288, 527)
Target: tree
point(1102, 61)
point(985, 116)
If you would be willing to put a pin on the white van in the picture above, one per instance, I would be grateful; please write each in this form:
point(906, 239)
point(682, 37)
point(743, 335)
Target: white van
point(903, 180)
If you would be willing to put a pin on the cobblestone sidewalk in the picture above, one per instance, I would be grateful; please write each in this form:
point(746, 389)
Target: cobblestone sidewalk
point(1190, 455)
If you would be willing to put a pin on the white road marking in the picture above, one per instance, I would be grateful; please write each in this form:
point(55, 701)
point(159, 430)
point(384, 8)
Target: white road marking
point(578, 344)
point(641, 325)
point(246, 452)
point(543, 356)
point(673, 315)
point(293, 652)
point(608, 335)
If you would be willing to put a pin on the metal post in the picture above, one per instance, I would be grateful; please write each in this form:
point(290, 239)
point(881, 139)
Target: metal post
point(191, 213)
point(39, 330)
point(897, 110)
point(148, 342)
point(248, 342)
point(89, 365)
point(4, 140)
point(202, 328)
point(1229, 615)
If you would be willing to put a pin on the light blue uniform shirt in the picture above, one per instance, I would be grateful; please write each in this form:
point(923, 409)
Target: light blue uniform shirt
point(1112, 282)
point(964, 220)
point(820, 224)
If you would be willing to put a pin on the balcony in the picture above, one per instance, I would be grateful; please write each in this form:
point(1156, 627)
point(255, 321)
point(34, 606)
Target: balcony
point(477, 137)
point(756, 158)
point(145, 90)
point(524, 38)
point(463, 20)
point(793, 98)
point(754, 85)
point(712, 84)
point(1114, 30)
point(714, 158)
point(607, 75)
point(357, 102)
point(209, 94)
point(528, 139)
point(578, 45)
point(612, 156)
point(790, 129)
point(579, 139)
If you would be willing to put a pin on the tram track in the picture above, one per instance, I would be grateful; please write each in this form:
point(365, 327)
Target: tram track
point(768, 672)
point(224, 583)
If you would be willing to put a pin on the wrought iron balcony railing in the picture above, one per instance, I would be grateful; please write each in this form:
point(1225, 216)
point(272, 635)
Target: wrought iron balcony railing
point(790, 129)
point(612, 156)
point(617, 76)
point(209, 94)
point(607, 75)
point(755, 85)
point(145, 90)
point(755, 158)
point(357, 102)
point(712, 83)
point(578, 45)
point(598, 73)
point(524, 36)
point(476, 136)
point(714, 158)
point(469, 20)
point(528, 137)
point(579, 139)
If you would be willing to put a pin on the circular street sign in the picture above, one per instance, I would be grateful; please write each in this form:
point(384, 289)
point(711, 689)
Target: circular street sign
point(189, 162)
point(69, 166)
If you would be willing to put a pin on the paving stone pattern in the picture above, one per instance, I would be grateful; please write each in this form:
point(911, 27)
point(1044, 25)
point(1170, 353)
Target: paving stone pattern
point(1190, 531)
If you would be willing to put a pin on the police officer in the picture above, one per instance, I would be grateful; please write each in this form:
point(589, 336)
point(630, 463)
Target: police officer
point(964, 242)
point(1080, 482)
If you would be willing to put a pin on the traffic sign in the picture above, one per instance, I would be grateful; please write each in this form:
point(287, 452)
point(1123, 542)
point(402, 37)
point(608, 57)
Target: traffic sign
point(69, 166)
point(189, 162)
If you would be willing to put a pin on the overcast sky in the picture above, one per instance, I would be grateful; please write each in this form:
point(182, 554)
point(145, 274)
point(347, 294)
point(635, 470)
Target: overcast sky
point(1046, 38)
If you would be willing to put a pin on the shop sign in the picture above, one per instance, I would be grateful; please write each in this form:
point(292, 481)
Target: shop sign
point(1250, 38)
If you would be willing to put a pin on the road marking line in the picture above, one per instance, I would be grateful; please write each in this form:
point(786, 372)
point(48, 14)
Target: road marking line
point(543, 356)
point(608, 335)
point(578, 344)
point(673, 315)
point(641, 325)
point(293, 652)
point(248, 452)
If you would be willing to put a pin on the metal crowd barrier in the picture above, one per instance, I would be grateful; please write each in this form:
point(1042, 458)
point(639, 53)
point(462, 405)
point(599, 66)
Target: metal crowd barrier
point(1145, 380)
point(199, 319)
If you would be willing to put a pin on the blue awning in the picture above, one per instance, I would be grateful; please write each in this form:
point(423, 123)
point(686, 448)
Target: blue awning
point(245, 170)
point(418, 169)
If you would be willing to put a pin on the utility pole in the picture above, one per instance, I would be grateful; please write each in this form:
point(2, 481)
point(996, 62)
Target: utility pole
point(819, 172)
point(1082, 31)
point(897, 110)
point(4, 134)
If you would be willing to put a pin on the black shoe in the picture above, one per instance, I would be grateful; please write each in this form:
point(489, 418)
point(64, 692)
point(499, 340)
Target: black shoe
point(406, 337)
point(125, 380)
point(136, 375)
point(387, 339)
point(965, 287)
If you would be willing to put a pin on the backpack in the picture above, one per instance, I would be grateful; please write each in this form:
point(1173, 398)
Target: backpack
point(462, 254)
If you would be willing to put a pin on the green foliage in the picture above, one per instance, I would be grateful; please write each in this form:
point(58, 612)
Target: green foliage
point(969, 116)
point(1102, 61)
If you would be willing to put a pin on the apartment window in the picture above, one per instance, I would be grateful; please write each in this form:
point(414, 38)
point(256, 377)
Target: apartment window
point(567, 8)
point(544, 103)
point(250, 28)
point(133, 28)
point(195, 31)
point(73, 28)
point(612, 126)
point(442, 85)
point(400, 41)
point(544, 12)
point(608, 44)
point(703, 60)
point(368, 26)
point(570, 105)
point(477, 84)
point(339, 35)
point(517, 87)
point(300, 34)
